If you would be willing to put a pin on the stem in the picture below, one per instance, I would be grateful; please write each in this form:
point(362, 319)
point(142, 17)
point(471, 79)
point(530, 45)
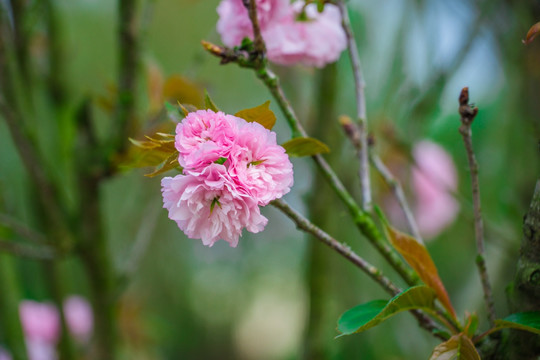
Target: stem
point(97, 261)
point(127, 80)
point(258, 41)
point(361, 114)
point(33, 164)
point(395, 185)
point(9, 308)
point(22, 229)
point(56, 64)
point(304, 224)
point(468, 113)
point(41, 252)
point(58, 293)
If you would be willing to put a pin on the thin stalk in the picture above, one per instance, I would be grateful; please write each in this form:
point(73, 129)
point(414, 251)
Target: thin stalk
point(307, 226)
point(40, 252)
point(468, 113)
point(361, 113)
point(397, 189)
point(374, 273)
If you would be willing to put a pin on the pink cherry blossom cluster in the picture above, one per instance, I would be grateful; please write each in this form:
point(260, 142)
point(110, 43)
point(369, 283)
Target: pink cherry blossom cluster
point(40, 323)
point(314, 39)
point(230, 168)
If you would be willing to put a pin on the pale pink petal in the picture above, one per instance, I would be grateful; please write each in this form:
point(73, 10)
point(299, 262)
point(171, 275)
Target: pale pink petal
point(434, 179)
point(316, 41)
point(204, 207)
point(79, 317)
point(258, 166)
point(40, 321)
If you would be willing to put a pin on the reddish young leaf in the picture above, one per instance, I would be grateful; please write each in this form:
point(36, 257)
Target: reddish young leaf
point(531, 34)
point(418, 257)
point(458, 347)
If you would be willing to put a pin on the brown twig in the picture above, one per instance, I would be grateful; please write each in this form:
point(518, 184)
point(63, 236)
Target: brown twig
point(353, 133)
point(258, 41)
point(22, 229)
point(129, 60)
point(468, 113)
point(41, 252)
point(361, 113)
point(397, 189)
point(33, 164)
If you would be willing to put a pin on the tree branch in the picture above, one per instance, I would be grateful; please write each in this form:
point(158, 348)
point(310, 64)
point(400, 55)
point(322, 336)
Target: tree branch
point(468, 113)
point(305, 225)
point(361, 114)
point(127, 80)
point(39, 252)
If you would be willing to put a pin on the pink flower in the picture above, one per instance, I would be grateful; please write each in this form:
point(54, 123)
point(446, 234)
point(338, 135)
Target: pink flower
point(315, 41)
point(4, 355)
point(434, 178)
point(258, 166)
point(234, 24)
point(79, 317)
point(205, 208)
point(204, 136)
point(40, 321)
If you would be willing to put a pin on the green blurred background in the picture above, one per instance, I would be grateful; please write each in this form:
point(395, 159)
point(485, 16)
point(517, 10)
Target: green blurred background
point(279, 293)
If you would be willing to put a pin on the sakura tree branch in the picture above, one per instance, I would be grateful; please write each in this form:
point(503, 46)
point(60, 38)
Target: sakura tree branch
point(468, 113)
point(361, 113)
point(307, 226)
point(33, 164)
point(397, 189)
point(40, 252)
point(374, 273)
point(258, 41)
point(129, 60)
point(361, 219)
point(22, 230)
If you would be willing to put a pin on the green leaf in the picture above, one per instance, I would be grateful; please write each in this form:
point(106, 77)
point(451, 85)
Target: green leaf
point(528, 321)
point(261, 114)
point(221, 160)
point(208, 103)
point(458, 347)
point(213, 204)
point(370, 314)
point(418, 257)
point(305, 146)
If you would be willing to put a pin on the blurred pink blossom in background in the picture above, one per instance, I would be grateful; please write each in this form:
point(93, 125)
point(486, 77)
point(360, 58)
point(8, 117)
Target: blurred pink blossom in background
point(79, 318)
point(40, 321)
point(233, 168)
point(434, 178)
point(315, 40)
point(42, 329)
point(4, 355)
